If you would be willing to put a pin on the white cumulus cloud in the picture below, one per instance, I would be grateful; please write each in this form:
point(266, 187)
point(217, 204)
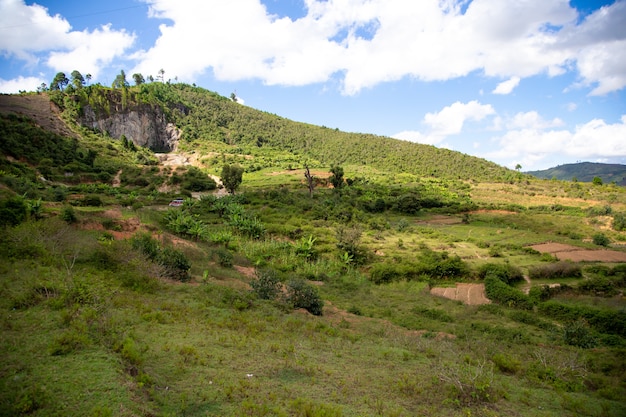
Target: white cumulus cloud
point(367, 42)
point(20, 83)
point(595, 139)
point(506, 87)
point(448, 121)
point(29, 33)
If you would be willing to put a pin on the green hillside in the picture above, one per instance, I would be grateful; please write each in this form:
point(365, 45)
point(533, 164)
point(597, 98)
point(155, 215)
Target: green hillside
point(586, 172)
point(214, 123)
point(395, 280)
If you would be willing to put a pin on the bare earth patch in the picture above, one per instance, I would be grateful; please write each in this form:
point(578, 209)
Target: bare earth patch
point(470, 294)
point(575, 254)
point(39, 108)
point(440, 219)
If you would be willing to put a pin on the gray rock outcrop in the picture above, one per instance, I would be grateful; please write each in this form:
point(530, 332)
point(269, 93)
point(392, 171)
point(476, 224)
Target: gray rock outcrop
point(144, 125)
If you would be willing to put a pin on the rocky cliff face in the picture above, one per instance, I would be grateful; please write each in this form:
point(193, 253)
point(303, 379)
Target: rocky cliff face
point(144, 125)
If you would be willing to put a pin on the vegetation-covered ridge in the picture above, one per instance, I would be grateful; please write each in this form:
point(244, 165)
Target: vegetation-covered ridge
point(211, 122)
point(585, 171)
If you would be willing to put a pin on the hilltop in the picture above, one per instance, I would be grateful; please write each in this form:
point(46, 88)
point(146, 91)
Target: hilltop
point(346, 274)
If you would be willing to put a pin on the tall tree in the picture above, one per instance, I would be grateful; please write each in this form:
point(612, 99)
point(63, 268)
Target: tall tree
point(77, 79)
point(120, 80)
point(59, 82)
point(138, 79)
point(162, 75)
point(88, 78)
point(231, 177)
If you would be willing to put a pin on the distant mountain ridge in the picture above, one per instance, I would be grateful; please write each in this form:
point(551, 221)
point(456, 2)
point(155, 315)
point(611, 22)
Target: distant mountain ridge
point(585, 171)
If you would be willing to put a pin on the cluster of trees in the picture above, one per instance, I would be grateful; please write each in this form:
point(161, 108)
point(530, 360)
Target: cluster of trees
point(61, 82)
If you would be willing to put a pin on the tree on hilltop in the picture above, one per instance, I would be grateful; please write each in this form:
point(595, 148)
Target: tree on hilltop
point(120, 80)
point(59, 82)
point(77, 79)
point(138, 79)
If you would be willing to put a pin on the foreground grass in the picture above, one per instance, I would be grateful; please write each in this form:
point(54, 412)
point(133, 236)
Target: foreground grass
point(93, 338)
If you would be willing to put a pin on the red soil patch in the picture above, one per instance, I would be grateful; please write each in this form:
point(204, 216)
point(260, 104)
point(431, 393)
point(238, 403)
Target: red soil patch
point(573, 253)
point(470, 294)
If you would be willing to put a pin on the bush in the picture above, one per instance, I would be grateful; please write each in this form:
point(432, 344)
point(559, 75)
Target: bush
point(546, 292)
point(600, 239)
point(555, 270)
point(303, 295)
point(13, 211)
point(68, 214)
point(146, 244)
point(498, 292)
point(577, 333)
point(175, 263)
point(383, 273)
point(91, 200)
point(266, 285)
point(224, 257)
point(440, 265)
point(506, 273)
point(619, 221)
point(506, 363)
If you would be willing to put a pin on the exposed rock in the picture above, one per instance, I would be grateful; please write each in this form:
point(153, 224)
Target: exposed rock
point(144, 125)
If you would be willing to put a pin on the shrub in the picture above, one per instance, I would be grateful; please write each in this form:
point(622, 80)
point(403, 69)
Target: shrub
point(506, 363)
point(619, 221)
point(224, 257)
point(303, 295)
point(542, 293)
point(91, 200)
point(68, 214)
point(348, 243)
point(600, 239)
point(147, 245)
point(175, 263)
point(266, 285)
point(196, 180)
point(506, 272)
point(555, 271)
point(383, 273)
point(498, 292)
point(13, 211)
point(577, 333)
point(440, 265)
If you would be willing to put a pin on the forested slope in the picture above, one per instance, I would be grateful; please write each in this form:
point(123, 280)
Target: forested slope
point(207, 117)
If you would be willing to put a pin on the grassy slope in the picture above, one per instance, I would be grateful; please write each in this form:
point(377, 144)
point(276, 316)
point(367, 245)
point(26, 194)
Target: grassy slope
point(87, 329)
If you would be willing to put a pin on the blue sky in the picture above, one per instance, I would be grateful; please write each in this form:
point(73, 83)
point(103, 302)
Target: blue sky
point(537, 83)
